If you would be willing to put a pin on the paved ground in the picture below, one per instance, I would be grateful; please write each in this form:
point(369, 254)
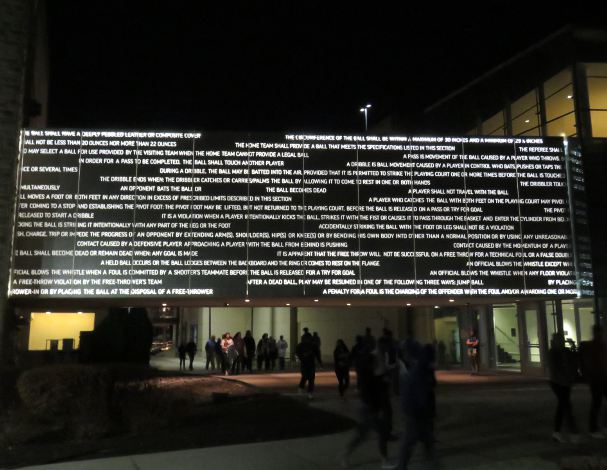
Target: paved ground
point(484, 422)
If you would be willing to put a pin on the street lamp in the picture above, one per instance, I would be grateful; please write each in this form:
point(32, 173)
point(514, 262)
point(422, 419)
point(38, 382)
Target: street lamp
point(365, 110)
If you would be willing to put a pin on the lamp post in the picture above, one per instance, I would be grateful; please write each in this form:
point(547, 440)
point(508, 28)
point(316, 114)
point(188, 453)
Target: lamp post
point(365, 110)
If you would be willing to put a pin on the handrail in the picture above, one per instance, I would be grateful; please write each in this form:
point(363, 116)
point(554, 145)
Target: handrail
point(509, 338)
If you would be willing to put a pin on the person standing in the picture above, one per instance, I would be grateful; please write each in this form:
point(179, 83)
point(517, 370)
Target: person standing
point(249, 344)
point(182, 351)
point(191, 349)
point(239, 354)
point(341, 361)
point(209, 349)
point(563, 371)
point(227, 346)
point(472, 343)
point(219, 354)
point(282, 347)
point(263, 356)
point(308, 354)
point(272, 352)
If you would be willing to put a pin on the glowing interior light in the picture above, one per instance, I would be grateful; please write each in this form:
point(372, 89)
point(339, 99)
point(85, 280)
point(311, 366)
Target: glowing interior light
point(526, 120)
point(288, 305)
point(164, 305)
point(451, 300)
point(247, 300)
point(408, 305)
point(436, 306)
point(79, 313)
point(315, 300)
point(569, 97)
point(348, 304)
point(368, 106)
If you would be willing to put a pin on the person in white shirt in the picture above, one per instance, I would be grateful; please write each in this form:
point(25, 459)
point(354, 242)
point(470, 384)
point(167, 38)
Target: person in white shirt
point(282, 346)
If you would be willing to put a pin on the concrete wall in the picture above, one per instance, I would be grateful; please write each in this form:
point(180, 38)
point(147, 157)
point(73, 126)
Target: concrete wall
point(14, 37)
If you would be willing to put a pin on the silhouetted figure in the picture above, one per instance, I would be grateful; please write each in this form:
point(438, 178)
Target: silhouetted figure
point(418, 404)
point(219, 354)
point(563, 371)
point(369, 339)
point(306, 332)
point(191, 350)
point(308, 354)
point(385, 369)
point(316, 340)
point(182, 351)
point(594, 370)
point(272, 352)
point(240, 354)
point(472, 344)
point(209, 349)
point(370, 389)
point(263, 352)
point(341, 361)
point(249, 344)
point(357, 356)
point(282, 347)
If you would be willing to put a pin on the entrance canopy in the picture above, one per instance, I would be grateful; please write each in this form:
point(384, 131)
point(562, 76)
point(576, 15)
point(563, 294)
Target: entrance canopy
point(209, 219)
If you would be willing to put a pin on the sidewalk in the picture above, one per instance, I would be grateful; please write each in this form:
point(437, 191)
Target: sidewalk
point(486, 422)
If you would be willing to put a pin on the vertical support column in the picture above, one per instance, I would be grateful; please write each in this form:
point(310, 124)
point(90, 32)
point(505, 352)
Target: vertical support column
point(293, 333)
point(484, 335)
point(544, 340)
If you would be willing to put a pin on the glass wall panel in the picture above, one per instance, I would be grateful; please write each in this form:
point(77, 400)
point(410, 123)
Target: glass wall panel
point(586, 322)
point(505, 325)
point(494, 125)
point(556, 83)
point(564, 125)
point(569, 324)
point(599, 123)
point(559, 103)
point(597, 92)
point(551, 319)
point(533, 337)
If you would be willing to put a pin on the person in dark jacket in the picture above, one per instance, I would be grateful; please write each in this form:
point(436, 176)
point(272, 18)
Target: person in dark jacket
point(418, 405)
point(308, 354)
point(219, 354)
point(371, 391)
point(341, 361)
point(240, 356)
point(182, 351)
point(563, 371)
point(249, 344)
point(209, 349)
point(191, 350)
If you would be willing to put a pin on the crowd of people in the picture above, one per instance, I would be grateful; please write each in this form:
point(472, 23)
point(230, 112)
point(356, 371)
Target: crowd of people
point(385, 366)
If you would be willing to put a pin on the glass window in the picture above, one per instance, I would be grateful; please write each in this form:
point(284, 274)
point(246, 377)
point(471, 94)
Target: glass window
point(596, 70)
point(599, 123)
point(494, 125)
point(551, 319)
point(560, 103)
point(533, 338)
point(569, 325)
point(505, 325)
point(525, 115)
point(597, 92)
point(564, 125)
point(557, 83)
point(586, 321)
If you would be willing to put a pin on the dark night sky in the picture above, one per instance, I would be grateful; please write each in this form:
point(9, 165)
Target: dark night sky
point(269, 67)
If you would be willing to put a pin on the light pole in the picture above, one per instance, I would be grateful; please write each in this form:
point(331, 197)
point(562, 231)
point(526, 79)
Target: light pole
point(364, 110)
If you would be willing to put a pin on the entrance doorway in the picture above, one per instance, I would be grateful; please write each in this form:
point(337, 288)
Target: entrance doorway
point(448, 338)
point(506, 333)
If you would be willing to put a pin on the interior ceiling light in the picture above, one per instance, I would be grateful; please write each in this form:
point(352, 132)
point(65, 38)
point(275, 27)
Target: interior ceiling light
point(315, 300)
point(288, 304)
point(436, 306)
point(164, 305)
point(247, 300)
point(408, 305)
point(348, 304)
point(451, 300)
point(48, 313)
point(526, 120)
point(569, 97)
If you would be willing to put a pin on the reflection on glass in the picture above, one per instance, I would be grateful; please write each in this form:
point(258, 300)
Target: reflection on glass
point(586, 314)
point(505, 325)
point(533, 339)
point(569, 325)
point(599, 123)
point(564, 125)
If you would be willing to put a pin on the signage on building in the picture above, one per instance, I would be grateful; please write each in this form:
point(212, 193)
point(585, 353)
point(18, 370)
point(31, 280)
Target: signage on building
point(132, 214)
